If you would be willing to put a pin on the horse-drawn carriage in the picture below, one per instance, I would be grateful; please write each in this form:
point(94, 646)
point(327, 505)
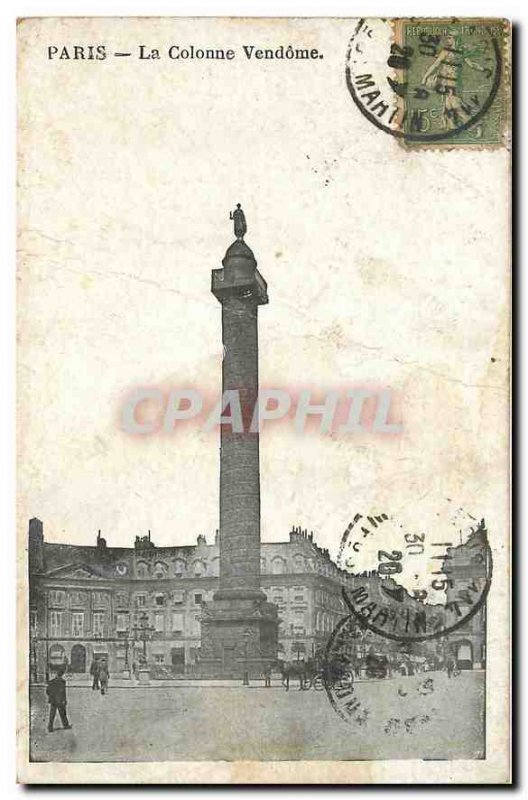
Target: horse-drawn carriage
point(318, 673)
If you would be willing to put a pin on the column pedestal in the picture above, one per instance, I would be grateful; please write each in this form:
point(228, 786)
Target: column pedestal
point(238, 636)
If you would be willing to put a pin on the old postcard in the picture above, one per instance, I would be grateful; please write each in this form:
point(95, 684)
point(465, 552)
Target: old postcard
point(263, 400)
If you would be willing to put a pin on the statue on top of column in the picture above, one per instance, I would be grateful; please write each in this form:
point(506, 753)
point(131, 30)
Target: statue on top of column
point(239, 221)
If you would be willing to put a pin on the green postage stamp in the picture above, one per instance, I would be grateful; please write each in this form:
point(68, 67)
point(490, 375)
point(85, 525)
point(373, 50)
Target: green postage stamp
point(439, 82)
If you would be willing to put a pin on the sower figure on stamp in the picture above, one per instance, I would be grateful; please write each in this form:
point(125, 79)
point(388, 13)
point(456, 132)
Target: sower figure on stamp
point(94, 672)
point(56, 691)
point(444, 77)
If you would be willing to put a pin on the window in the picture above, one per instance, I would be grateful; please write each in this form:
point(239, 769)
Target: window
point(179, 568)
point(77, 623)
point(98, 623)
point(77, 599)
point(298, 563)
point(142, 570)
point(299, 649)
point(159, 658)
point(121, 600)
point(298, 594)
point(177, 622)
point(277, 566)
point(33, 620)
point(56, 598)
point(178, 598)
point(159, 623)
point(160, 599)
point(160, 569)
point(198, 599)
point(214, 567)
point(121, 621)
point(55, 622)
point(298, 621)
point(298, 630)
point(99, 599)
point(141, 600)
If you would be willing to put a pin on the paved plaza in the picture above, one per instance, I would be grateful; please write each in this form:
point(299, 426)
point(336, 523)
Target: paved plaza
point(182, 723)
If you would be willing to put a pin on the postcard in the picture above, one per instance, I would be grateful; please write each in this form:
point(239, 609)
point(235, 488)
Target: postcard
point(264, 315)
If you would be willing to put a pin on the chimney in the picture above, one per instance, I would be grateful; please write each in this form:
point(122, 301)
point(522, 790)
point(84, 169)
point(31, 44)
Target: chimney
point(36, 545)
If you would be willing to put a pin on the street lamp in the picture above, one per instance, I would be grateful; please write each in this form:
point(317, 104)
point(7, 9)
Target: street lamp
point(126, 637)
point(247, 636)
point(143, 632)
point(33, 661)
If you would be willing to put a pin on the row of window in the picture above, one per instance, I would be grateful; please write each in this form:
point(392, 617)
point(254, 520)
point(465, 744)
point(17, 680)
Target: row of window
point(178, 598)
point(277, 565)
point(328, 599)
point(160, 569)
point(177, 619)
point(280, 595)
point(323, 623)
point(56, 623)
point(57, 599)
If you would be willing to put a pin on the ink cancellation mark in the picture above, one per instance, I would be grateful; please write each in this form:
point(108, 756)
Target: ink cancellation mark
point(413, 586)
point(406, 705)
point(430, 81)
point(338, 672)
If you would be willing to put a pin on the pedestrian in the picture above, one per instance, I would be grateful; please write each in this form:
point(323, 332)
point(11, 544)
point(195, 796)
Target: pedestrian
point(450, 667)
point(56, 691)
point(94, 672)
point(286, 674)
point(103, 677)
point(267, 675)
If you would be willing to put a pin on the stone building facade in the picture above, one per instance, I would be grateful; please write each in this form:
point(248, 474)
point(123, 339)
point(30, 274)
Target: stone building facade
point(145, 602)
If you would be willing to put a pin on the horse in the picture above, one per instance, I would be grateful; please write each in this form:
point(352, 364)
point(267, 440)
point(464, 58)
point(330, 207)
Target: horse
point(293, 669)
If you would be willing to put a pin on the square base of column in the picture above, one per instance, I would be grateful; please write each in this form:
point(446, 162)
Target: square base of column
point(238, 636)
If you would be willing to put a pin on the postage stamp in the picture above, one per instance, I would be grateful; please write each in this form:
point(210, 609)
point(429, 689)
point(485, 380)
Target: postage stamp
point(275, 323)
point(438, 82)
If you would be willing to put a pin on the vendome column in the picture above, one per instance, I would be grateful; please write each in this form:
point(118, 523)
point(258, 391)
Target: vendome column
point(239, 627)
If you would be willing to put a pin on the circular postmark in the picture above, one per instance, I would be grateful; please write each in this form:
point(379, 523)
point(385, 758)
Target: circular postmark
point(339, 667)
point(414, 584)
point(424, 81)
point(385, 686)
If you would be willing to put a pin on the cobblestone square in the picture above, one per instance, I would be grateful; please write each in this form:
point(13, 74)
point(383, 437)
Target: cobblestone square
point(185, 723)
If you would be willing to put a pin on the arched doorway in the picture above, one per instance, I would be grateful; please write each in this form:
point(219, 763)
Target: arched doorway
point(464, 654)
point(78, 658)
point(56, 657)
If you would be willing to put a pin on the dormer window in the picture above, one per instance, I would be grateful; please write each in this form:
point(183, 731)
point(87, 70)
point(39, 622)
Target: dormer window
point(179, 568)
point(160, 569)
point(199, 569)
point(142, 570)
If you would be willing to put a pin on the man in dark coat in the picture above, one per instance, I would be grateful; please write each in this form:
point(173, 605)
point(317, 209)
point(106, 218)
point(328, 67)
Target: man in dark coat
point(94, 672)
point(103, 676)
point(56, 691)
